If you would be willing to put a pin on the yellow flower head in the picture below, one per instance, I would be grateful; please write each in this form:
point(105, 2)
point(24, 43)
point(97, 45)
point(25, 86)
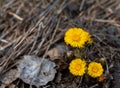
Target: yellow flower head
point(77, 37)
point(77, 67)
point(95, 69)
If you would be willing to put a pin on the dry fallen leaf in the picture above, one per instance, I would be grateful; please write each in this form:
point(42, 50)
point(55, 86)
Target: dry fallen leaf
point(57, 52)
point(9, 77)
point(12, 86)
point(29, 70)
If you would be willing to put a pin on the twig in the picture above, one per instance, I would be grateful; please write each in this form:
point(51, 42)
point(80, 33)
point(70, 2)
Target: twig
point(82, 4)
point(42, 41)
point(15, 15)
point(104, 21)
point(50, 42)
point(3, 40)
point(80, 82)
point(41, 26)
point(52, 38)
point(94, 86)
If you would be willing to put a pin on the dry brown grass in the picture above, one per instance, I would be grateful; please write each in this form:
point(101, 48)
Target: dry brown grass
point(35, 26)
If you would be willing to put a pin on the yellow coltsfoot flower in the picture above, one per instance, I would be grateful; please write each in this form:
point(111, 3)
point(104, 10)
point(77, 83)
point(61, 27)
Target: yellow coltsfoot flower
point(77, 37)
point(77, 67)
point(95, 69)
